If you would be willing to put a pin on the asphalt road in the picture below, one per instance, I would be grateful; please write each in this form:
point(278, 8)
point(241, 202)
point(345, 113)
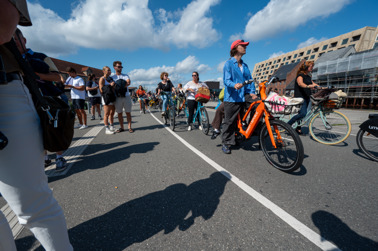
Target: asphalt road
point(151, 190)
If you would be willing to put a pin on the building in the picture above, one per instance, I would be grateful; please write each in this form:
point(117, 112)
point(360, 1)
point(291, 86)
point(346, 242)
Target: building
point(361, 40)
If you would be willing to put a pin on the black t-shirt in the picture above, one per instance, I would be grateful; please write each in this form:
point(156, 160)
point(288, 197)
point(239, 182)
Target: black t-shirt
point(300, 92)
point(165, 87)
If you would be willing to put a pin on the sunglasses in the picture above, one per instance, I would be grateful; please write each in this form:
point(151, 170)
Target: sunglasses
point(119, 67)
point(194, 75)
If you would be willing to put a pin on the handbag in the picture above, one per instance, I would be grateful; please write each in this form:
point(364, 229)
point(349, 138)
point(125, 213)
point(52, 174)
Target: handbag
point(203, 95)
point(56, 117)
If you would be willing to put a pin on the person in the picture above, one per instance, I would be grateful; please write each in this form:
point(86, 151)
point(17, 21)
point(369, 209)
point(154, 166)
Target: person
point(166, 86)
point(45, 68)
point(191, 89)
point(23, 182)
point(235, 72)
point(77, 86)
point(94, 96)
point(219, 115)
point(109, 108)
point(122, 102)
point(141, 93)
point(180, 96)
point(302, 89)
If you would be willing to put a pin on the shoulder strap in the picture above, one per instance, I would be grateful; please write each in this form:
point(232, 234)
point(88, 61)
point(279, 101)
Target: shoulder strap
point(29, 75)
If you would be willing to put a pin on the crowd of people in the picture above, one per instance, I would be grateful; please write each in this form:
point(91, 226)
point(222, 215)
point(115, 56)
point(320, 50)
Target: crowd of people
point(23, 183)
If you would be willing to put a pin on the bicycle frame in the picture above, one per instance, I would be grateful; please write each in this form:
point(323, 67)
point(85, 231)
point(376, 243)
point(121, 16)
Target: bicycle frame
point(259, 113)
point(197, 113)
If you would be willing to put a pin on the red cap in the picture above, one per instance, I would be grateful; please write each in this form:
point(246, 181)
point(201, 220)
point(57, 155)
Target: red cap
point(238, 42)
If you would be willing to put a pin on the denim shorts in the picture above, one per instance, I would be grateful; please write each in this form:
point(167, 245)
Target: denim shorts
point(78, 104)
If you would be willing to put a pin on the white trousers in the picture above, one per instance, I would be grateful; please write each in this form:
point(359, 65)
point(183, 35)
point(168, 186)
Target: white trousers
point(23, 182)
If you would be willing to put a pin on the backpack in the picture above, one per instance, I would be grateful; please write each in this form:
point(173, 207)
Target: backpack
point(92, 92)
point(120, 88)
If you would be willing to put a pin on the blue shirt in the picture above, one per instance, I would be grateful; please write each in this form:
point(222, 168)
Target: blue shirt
point(233, 75)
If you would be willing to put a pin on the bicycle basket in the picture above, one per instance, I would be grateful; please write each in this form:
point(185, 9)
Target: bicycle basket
point(279, 108)
point(333, 103)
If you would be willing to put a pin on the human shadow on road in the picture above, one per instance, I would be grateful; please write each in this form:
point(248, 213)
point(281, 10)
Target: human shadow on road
point(335, 230)
point(142, 218)
point(102, 155)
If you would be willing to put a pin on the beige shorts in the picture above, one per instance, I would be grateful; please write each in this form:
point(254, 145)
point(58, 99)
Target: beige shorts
point(123, 103)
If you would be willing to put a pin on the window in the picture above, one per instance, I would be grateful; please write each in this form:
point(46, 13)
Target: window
point(270, 63)
point(292, 61)
point(344, 41)
point(356, 38)
point(333, 45)
point(295, 56)
point(312, 57)
point(274, 61)
point(267, 68)
point(271, 71)
point(283, 59)
point(298, 59)
point(301, 54)
point(282, 64)
point(289, 57)
point(325, 47)
point(308, 52)
point(286, 63)
point(306, 58)
point(279, 60)
point(316, 49)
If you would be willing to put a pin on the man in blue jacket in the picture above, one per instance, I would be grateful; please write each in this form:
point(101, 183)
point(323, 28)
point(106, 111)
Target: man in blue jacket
point(235, 72)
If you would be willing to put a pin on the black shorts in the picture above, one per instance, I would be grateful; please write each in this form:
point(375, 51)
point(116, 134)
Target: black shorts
point(95, 100)
point(78, 104)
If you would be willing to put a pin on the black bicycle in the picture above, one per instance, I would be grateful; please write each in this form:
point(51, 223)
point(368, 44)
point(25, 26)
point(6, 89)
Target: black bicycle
point(367, 137)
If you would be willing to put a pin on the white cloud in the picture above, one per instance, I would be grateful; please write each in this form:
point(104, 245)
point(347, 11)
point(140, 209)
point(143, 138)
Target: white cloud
point(285, 15)
point(178, 73)
point(276, 54)
point(310, 41)
point(220, 66)
point(120, 24)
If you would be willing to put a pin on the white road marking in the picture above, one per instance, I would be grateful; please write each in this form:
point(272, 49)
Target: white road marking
point(290, 220)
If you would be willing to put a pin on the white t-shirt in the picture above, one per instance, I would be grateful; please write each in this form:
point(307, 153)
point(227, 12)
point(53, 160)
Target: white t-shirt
point(194, 86)
point(115, 77)
point(77, 82)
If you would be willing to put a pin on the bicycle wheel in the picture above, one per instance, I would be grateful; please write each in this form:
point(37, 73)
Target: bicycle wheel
point(143, 107)
point(172, 117)
point(368, 144)
point(288, 154)
point(186, 114)
point(204, 121)
point(333, 130)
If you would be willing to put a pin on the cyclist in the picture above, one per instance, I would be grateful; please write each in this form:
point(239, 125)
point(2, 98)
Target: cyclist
point(302, 89)
point(141, 93)
point(166, 86)
point(191, 88)
point(235, 72)
point(180, 94)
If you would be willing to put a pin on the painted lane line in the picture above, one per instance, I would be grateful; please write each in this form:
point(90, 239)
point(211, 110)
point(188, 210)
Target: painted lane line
point(290, 220)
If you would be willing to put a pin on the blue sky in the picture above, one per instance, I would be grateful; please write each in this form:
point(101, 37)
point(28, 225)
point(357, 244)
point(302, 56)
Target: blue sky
point(184, 36)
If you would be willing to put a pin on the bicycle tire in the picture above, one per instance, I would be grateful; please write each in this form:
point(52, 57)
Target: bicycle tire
point(368, 144)
point(338, 131)
point(172, 118)
point(204, 120)
point(289, 154)
point(143, 107)
point(186, 114)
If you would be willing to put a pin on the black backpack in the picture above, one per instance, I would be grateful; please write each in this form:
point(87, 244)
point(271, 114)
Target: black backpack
point(120, 88)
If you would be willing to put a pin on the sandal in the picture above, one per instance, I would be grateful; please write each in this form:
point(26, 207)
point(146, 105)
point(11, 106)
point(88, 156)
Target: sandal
point(120, 130)
point(131, 130)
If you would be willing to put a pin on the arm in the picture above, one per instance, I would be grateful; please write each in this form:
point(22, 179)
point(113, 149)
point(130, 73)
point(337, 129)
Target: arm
point(227, 77)
point(51, 76)
point(101, 83)
point(9, 18)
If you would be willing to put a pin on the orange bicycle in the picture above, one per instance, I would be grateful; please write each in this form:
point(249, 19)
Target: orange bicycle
point(279, 142)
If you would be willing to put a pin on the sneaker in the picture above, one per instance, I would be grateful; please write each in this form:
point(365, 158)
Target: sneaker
point(78, 126)
point(107, 131)
point(83, 127)
point(140, 111)
point(93, 118)
point(111, 128)
point(163, 114)
point(200, 127)
point(47, 162)
point(215, 134)
point(61, 164)
point(226, 149)
point(189, 128)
